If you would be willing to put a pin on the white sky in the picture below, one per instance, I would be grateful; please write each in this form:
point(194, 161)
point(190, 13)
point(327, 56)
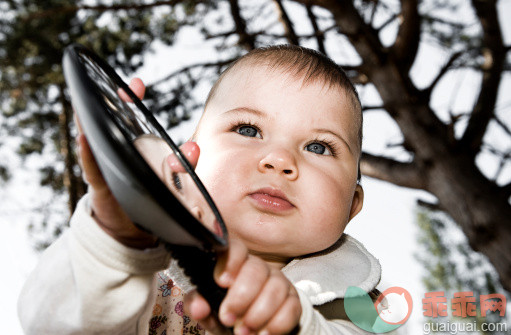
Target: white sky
point(386, 225)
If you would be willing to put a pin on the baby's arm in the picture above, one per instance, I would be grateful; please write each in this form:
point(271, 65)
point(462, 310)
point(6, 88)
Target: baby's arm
point(87, 282)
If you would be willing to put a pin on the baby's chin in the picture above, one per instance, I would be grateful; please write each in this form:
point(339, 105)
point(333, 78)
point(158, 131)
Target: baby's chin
point(277, 235)
point(280, 248)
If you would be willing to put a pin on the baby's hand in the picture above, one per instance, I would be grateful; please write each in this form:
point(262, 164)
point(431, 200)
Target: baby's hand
point(105, 209)
point(260, 299)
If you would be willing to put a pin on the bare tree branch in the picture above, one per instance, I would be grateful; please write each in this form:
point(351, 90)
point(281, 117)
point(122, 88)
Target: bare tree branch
point(494, 53)
point(506, 190)
point(364, 37)
point(359, 79)
point(386, 23)
point(220, 35)
point(387, 169)
point(191, 67)
point(429, 205)
point(502, 125)
point(504, 158)
point(246, 40)
point(370, 108)
point(502, 163)
point(427, 91)
point(266, 34)
point(373, 11)
point(320, 37)
point(355, 74)
point(454, 25)
point(289, 30)
point(99, 8)
point(408, 37)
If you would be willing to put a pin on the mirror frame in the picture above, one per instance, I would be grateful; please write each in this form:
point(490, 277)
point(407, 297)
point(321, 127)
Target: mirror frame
point(134, 184)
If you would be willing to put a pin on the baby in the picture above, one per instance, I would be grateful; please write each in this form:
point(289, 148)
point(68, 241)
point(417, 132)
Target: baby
point(280, 144)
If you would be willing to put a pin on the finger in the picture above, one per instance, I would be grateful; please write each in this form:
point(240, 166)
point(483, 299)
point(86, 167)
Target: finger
point(196, 306)
point(273, 295)
point(198, 309)
point(287, 317)
point(90, 168)
point(191, 152)
point(78, 124)
point(137, 86)
point(230, 263)
point(245, 289)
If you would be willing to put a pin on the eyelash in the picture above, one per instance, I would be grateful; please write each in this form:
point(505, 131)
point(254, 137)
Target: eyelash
point(331, 146)
point(241, 123)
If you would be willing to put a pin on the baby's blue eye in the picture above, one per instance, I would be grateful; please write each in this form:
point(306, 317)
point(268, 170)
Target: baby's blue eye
point(247, 131)
point(318, 148)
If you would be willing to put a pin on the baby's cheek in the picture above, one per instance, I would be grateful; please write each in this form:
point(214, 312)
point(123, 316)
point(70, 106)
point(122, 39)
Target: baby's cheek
point(329, 210)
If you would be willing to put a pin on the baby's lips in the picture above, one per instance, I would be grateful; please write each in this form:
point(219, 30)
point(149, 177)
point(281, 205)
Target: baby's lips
point(191, 151)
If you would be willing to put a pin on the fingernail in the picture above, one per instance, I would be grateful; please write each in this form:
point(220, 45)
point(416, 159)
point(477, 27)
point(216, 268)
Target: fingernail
point(242, 330)
point(264, 332)
point(224, 279)
point(191, 147)
point(227, 318)
point(174, 163)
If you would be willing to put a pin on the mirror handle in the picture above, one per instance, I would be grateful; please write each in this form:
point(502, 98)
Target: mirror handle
point(199, 264)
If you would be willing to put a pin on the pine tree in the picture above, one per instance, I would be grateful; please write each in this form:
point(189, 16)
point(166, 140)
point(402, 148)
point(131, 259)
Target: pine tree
point(452, 266)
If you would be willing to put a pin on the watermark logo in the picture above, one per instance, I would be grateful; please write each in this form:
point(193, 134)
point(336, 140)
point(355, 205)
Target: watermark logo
point(463, 304)
point(392, 308)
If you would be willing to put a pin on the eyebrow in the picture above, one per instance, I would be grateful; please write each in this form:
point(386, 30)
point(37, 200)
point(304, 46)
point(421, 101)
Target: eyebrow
point(239, 110)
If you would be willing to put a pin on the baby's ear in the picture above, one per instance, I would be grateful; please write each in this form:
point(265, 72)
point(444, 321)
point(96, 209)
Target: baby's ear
point(357, 202)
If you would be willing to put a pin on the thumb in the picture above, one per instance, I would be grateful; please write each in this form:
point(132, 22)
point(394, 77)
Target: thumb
point(137, 86)
point(191, 152)
point(198, 309)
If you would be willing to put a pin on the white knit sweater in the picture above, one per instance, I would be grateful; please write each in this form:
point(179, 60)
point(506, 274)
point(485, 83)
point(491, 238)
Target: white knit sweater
point(88, 283)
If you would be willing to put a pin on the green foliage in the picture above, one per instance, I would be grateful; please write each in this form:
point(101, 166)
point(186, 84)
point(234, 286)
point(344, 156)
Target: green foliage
point(436, 258)
point(51, 177)
point(31, 145)
point(451, 265)
point(4, 173)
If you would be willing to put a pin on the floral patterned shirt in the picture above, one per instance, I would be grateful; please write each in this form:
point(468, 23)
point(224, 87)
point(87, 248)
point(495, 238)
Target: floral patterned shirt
point(168, 313)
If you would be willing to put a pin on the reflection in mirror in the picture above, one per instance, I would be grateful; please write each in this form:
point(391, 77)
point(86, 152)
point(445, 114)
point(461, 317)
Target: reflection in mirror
point(156, 153)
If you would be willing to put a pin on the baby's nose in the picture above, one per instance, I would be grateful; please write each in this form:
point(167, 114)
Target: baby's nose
point(279, 161)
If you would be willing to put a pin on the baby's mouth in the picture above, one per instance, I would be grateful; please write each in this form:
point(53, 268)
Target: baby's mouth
point(270, 199)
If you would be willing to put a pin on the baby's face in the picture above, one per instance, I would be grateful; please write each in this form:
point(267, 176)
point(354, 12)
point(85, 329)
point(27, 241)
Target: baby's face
point(280, 161)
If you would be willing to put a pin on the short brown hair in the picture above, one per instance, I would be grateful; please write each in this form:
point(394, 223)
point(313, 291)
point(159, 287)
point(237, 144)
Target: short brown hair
point(309, 64)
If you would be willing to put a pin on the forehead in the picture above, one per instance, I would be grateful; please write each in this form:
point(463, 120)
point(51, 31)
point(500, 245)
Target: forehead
point(246, 81)
point(274, 89)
